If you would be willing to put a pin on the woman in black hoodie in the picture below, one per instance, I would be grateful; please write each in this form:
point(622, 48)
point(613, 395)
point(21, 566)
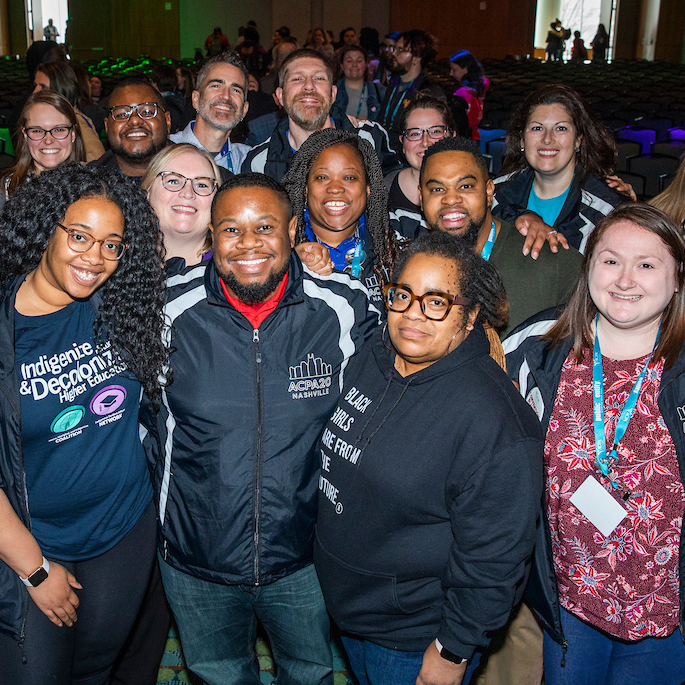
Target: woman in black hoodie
point(431, 477)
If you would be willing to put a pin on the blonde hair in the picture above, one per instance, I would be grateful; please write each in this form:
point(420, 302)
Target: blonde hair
point(170, 153)
point(167, 155)
point(672, 200)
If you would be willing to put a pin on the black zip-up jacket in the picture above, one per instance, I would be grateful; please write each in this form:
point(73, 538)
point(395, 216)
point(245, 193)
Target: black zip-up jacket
point(585, 205)
point(536, 367)
point(273, 156)
point(429, 492)
point(234, 465)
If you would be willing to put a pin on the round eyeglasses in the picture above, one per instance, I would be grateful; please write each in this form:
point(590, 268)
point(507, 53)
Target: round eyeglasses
point(202, 185)
point(57, 132)
point(80, 241)
point(434, 304)
point(434, 132)
point(145, 110)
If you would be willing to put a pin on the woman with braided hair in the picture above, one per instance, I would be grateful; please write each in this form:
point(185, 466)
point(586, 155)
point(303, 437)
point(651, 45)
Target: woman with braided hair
point(335, 184)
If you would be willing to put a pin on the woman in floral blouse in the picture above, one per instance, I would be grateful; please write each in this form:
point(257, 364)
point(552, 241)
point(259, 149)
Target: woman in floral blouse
point(607, 380)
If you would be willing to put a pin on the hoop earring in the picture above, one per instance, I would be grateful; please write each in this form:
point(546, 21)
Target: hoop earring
point(385, 329)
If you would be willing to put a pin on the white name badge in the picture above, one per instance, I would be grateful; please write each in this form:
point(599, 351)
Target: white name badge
point(598, 506)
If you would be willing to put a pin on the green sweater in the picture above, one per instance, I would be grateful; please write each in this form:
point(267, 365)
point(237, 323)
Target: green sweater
point(532, 285)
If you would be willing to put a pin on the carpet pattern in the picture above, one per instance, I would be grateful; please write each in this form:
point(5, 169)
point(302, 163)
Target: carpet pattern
point(172, 669)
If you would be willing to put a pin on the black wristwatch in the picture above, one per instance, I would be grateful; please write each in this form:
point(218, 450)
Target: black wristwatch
point(449, 656)
point(38, 576)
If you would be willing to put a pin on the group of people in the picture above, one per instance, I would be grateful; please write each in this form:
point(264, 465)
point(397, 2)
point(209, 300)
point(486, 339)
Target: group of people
point(556, 44)
point(273, 379)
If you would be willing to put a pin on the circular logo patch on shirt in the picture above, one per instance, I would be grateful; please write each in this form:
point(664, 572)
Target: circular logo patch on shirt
point(108, 400)
point(67, 419)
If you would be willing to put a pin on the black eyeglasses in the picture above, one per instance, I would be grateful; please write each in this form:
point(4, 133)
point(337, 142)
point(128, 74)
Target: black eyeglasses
point(434, 132)
point(202, 185)
point(80, 241)
point(57, 132)
point(434, 304)
point(145, 110)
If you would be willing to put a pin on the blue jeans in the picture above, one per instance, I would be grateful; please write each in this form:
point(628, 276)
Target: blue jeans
point(218, 623)
point(376, 665)
point(594, 658)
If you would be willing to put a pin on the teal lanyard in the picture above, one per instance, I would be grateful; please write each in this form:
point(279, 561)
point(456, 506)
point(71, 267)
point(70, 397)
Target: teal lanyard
point(361, 101)
point(487, 248)
point(601, 458)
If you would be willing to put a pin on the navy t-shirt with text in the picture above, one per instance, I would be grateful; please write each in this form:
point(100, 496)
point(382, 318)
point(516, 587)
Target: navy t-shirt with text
point(86, 473)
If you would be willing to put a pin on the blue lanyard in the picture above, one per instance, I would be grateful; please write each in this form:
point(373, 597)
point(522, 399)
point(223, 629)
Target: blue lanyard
point(361, 102)
point(389, 122)
point(487, 248)
point(344, 258)
point(601, 458)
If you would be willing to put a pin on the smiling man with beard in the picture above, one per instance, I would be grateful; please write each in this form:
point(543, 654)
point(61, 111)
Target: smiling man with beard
point(220, 101)
point(456, 197)
point(259, 348)
point(137, 126)
point(306, 93)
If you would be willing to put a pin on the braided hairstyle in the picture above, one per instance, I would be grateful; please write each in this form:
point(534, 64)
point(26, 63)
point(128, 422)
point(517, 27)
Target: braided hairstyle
point(377, 219)
point(130, 314)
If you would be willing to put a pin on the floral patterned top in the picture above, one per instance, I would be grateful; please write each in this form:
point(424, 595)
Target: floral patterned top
point(626, 584)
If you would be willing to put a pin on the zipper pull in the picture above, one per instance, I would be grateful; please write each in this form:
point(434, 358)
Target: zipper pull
point(255, 340)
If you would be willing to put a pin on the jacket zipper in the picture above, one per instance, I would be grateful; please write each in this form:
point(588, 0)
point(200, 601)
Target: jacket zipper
point(258, 454)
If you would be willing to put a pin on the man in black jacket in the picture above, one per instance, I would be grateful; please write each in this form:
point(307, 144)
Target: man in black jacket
point(260, 347)
point(306, 92)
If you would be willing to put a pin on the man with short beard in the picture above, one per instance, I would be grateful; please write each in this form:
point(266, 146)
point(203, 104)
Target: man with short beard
point(259, 348)
point(307, 94)
point(220, 98)
point(137, 126)
point(456, 197)
point(408, 77)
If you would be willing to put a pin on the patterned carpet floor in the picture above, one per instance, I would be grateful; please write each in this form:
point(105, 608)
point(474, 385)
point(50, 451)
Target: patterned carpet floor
point(172, 669)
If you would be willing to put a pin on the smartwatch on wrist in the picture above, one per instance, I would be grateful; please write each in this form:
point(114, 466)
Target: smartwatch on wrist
point(449, 656)
point(38, 576)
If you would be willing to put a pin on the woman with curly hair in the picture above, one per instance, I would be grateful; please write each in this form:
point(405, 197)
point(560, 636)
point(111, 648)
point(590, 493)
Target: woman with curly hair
point(335, 184)
point(81, 339)
point(49, 137)
point(473, 85)
point(556, 168)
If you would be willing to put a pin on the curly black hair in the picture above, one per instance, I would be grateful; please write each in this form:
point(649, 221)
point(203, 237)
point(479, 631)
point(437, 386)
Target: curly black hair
point(130, 313)
point(596, 151)
point(479, 280)
point(377, 218)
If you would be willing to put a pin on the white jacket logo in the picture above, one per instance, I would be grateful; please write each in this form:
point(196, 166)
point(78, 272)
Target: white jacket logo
point(311, 378)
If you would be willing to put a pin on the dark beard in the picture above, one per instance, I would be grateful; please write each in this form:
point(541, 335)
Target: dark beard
point(470, 236)
point(397, 68)
point(255, 293)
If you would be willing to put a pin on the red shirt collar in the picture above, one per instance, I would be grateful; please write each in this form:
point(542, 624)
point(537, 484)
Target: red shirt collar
point(256, 313)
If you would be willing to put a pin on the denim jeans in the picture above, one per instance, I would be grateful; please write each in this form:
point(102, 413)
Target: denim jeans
point(218, 623)
point(594, 658)
point(376, 665)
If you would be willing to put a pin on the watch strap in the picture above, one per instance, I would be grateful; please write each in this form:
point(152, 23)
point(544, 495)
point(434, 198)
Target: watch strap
point(449, 656)
point(38, 576)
